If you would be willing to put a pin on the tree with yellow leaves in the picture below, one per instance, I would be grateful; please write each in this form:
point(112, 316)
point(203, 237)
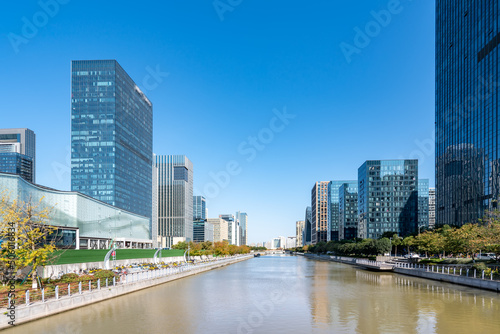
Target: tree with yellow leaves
point(28, 239)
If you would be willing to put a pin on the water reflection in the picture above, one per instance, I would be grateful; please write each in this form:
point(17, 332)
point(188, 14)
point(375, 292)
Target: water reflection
point(276, 294)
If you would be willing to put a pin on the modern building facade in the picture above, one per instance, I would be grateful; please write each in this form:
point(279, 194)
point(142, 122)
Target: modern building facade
point(423, 204)
point(432, 207)
point(111, 136)
point(467, 114)
point(307, 227)
point(232, 228)
point(199, 208)
point(242, 217)
point(333, 208)
point(220, 229)
point(203, 231)
point(175, 199)
point(348, 211)
point(83, 222)
point(319, 209)
point(387, 197)
point(299, 231)
point(18, 153)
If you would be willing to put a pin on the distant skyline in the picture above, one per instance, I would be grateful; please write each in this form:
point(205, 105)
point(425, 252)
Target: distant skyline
point(264, 98)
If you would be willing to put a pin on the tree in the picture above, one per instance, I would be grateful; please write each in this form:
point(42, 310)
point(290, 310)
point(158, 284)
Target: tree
point(430, 242)
point(382, 246)
point(396, 241)
point(180, 245)
point(469, 239)
point(409, 242)
point(26, 233)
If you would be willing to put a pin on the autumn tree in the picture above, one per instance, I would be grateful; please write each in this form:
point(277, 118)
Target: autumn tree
point(25, 229)
point(469, 239)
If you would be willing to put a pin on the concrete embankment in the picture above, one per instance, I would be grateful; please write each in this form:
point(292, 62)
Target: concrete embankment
point(467, 281)
point(40, 309)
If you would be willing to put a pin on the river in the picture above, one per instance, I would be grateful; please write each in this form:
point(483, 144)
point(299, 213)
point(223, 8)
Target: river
point(286, 294)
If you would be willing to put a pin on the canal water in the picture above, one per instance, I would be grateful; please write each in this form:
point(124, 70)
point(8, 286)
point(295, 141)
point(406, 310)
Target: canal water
point(286, 294)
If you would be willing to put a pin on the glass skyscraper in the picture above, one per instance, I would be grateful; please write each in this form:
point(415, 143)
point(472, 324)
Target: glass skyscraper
point(242, 217)
point(111, 136)
point(348, 211)
point(423, 203)
point(333, 208)
point(174, 199)
point(199, 208)
point(387, 197)
point(467, 115)
point(307, 226)
point(18, 153)
point(319, 212)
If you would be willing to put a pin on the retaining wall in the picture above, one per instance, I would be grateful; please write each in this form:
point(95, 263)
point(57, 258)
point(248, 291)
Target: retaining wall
point(468, 281)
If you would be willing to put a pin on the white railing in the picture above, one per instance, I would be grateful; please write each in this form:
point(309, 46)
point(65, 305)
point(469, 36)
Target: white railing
point(124, 279)
point(447, 270)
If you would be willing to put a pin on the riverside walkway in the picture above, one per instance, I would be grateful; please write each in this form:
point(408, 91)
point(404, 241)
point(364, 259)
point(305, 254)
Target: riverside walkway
point(40, 303)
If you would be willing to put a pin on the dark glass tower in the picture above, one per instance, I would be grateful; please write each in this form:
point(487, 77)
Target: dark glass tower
point(467, 120)
point(387, 197)
point(333, 208)
point(111, 136)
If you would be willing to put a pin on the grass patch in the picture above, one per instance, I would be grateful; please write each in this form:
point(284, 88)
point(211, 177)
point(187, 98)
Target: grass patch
point(68, 256)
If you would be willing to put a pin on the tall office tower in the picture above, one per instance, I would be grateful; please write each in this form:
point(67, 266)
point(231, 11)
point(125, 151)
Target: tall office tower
point(243, 218)
point(299, 230)
point(423, 204)
point(231, 228)
point(467, 115)
point(348, 211)
point(387, 197)
point(18, 153)
point(319, 205)
point(175, 199)
point(432, 207)
point(199, 208)
point(203, 231)
point(333, 208)
point(220, 229)
point(111, 136)
point(307, 226)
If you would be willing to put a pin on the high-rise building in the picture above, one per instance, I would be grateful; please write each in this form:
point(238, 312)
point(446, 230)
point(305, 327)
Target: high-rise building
point(220, 229)
point(432, 207)
point(387, 197)
point(299, 230)
point(333, 208)
point(319, 205)
point(175, 199)
point(423, 204)
point(111, 136)
point(467, 114)
point(348, 211)
point(203, 231)
point(18, 153)
point(231, 228)
point(307, 226)
point(199, 208)
point(243, 218)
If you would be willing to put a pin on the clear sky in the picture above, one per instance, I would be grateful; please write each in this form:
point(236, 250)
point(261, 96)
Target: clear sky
point(265, 97)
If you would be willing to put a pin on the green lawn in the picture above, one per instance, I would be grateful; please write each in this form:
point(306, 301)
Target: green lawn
point(96, 255)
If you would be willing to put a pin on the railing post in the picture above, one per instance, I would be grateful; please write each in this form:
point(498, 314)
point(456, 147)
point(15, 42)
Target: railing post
point(90, 286)
point(483, 275)
point(454, 269)
point(80, 287)
point(99, 284)
point(43, 295)
point(27, 297)
point(114, 280)
point(69, 290)
point(57, 291)
point(491, 275)
point(474, 273)
point(467, 272)
point(106, 282)
point(448, 270)
point(460, 271)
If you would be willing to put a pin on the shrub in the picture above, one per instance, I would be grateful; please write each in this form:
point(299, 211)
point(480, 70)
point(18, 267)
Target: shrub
point(67, 278)
point(103, 274)
point(479, 267)
point(85, 278)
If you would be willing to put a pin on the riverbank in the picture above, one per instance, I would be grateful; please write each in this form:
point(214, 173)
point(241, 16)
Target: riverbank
point(420, 272)
point(136, 282)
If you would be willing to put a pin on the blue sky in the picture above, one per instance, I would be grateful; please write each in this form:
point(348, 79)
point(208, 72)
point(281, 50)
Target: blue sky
point(219, 73)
